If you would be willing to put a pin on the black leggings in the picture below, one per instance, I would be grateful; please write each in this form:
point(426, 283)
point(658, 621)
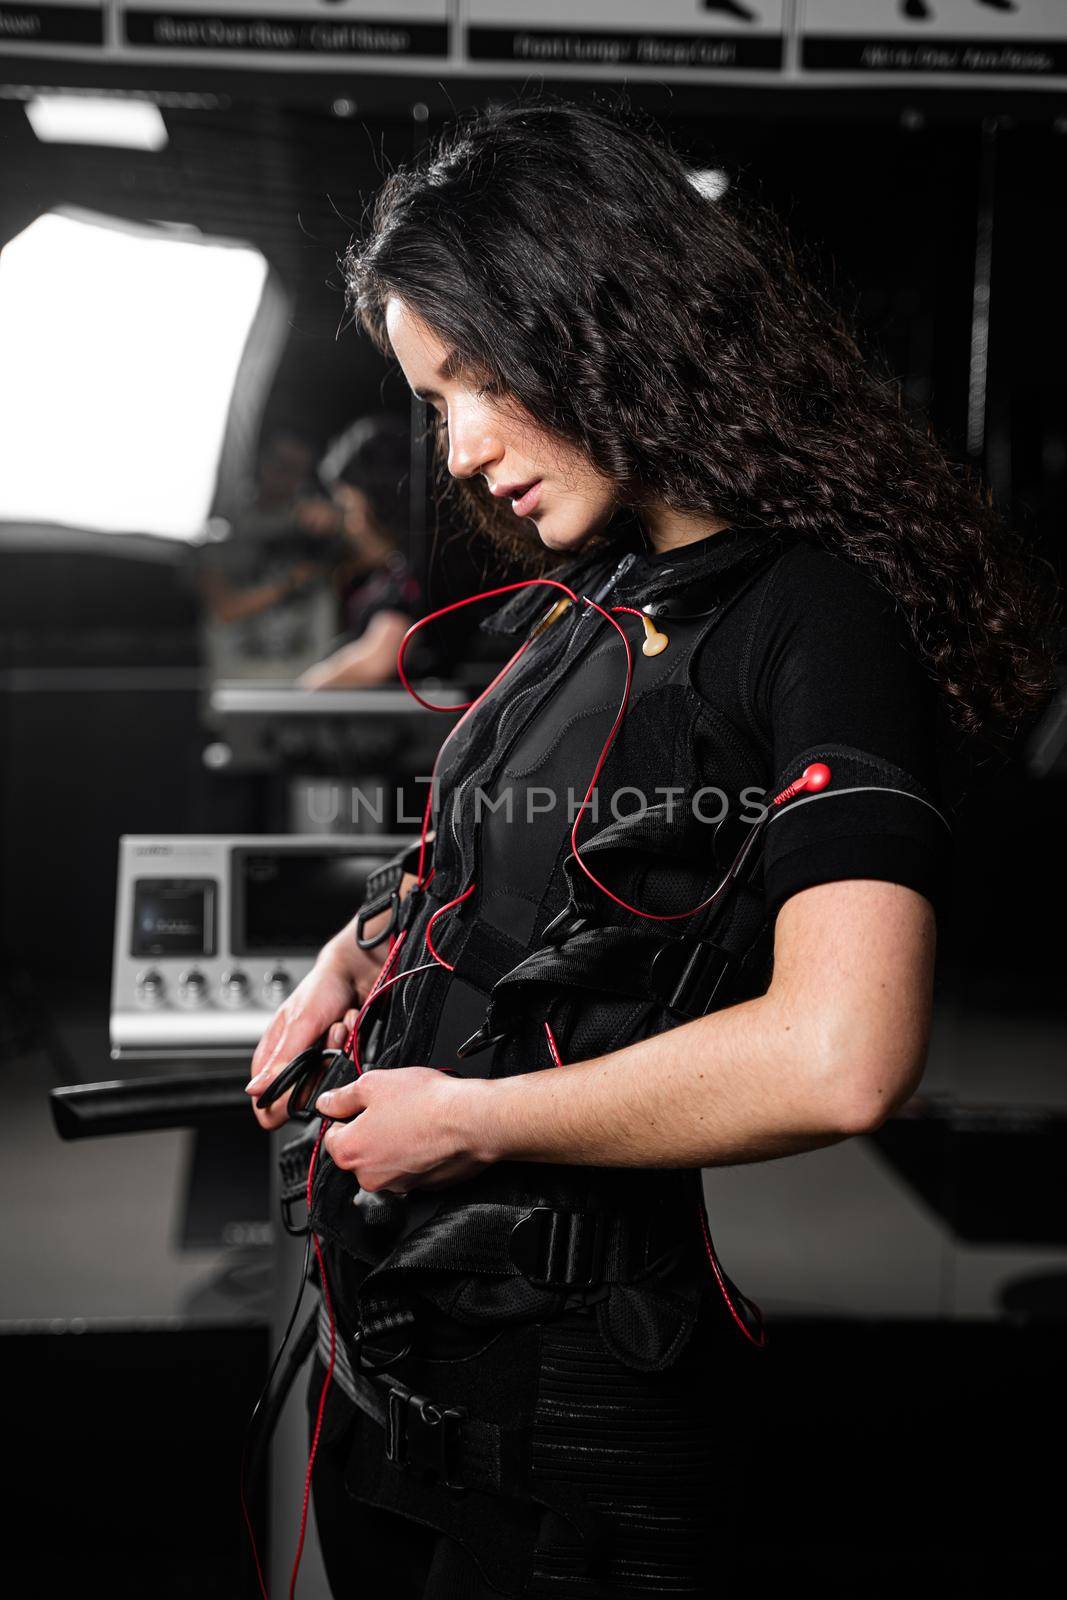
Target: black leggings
point(370, 1552)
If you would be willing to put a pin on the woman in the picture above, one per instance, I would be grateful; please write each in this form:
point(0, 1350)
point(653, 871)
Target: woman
point(635, 375)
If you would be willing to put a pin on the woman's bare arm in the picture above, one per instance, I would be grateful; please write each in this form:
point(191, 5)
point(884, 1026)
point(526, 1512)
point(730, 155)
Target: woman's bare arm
point(837, 1042)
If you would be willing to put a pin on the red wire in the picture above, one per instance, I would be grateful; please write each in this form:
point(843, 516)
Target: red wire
point(468, 706)
point(458, 901)
point(329, 1370)
point(471, 706)
point(708, 1246)
point(382, 981)
point(252, 1536)
point(456, 605)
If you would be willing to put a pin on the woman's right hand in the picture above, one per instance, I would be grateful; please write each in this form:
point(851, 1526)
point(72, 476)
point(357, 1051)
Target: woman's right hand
point(325, 999)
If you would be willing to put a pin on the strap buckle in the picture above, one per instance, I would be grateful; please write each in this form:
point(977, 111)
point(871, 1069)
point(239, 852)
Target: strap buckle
point(382, 891)
point(480, 1040)
point(388, 898)
point(558, 1249)
point(687, 977)
point(421, 1434)
point(563, 926)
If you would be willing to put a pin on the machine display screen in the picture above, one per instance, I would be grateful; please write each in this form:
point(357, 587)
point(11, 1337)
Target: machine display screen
point(291, 902)
point(173, 917)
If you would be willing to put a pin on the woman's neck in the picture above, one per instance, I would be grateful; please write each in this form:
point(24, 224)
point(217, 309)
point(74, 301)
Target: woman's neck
point(665, 529)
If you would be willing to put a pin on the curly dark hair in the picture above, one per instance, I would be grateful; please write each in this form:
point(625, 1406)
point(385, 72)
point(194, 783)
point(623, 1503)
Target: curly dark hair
point(568, 253)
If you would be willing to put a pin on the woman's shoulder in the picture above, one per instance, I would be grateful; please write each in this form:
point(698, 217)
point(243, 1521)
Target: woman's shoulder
point(812, 572)
point(826, 631)
point(823, 601)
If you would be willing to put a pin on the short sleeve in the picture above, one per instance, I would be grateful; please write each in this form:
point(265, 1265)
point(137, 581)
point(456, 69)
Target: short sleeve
point(391, 587)
point(834, 676)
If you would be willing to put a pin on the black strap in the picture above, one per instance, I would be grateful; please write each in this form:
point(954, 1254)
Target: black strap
point(421, 1434)
point(551, 1247)
point(382, 890)
point(685, 975)
point(486, 954)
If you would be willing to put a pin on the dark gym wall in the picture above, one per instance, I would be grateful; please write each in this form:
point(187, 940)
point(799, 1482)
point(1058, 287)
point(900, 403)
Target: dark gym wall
point(892, 203)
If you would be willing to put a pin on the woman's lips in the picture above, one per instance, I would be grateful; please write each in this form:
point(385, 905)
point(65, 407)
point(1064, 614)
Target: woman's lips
point(523, 506)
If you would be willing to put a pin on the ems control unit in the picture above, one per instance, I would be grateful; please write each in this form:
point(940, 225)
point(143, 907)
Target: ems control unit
point(213, 932)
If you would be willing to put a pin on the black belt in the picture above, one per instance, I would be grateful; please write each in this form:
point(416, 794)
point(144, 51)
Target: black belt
point(460, 1451)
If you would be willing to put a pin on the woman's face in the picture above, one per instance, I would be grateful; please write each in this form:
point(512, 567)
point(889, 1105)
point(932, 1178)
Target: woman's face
point(491, 434)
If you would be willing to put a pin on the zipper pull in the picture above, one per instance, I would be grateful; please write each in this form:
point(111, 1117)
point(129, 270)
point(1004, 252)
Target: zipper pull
point(609, 583)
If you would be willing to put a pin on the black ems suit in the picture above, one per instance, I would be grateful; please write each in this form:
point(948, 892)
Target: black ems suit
point(564, 1367)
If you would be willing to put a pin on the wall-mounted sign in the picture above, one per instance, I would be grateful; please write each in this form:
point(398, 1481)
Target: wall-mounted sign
point(80, 22)
point(375, 28)
point(922, 38)
point(674, 36)
point(798, 43)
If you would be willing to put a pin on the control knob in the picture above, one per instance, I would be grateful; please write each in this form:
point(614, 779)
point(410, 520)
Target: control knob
point(234, 988)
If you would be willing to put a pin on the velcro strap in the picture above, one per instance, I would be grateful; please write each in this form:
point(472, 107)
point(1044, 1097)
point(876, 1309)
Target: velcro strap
point(486, 955)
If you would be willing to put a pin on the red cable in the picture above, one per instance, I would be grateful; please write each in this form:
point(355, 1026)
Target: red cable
point(709, 1247)
point(252, 1535)
point(553, 1047)
point(471, 706)
point(458, 901)
point(466, 705)
point(329, 1370)
point(456, 605)
point(808, 780)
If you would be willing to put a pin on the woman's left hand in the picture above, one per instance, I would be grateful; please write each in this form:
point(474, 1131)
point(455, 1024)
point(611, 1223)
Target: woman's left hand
point(408, 1129)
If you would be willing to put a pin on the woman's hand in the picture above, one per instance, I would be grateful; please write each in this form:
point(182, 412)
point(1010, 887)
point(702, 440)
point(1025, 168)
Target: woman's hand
point(340, 980)
point(411, 1128)
point(322, 1000)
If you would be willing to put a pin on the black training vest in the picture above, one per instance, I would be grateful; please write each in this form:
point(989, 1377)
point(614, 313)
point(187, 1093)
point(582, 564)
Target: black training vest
point(536, 941)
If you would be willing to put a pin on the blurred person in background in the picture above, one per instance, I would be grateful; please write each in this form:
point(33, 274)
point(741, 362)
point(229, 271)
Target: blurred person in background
point(313, 587)
point(367, 471)
point(269, 605)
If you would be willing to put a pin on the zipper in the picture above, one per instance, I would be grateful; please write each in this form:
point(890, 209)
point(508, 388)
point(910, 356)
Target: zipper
point(609, 583)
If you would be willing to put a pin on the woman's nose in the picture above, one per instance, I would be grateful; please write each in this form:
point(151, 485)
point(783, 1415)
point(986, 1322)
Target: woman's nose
point(472, 446)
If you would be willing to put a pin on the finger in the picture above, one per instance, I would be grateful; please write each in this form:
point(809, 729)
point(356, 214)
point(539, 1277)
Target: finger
point(278, 1045)
point(351, 1017)
point(270, 1117)
point(344, 1101)
point(265, 1051)
point(267, 1071)
point(334, 1144)
point(337, 1036)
